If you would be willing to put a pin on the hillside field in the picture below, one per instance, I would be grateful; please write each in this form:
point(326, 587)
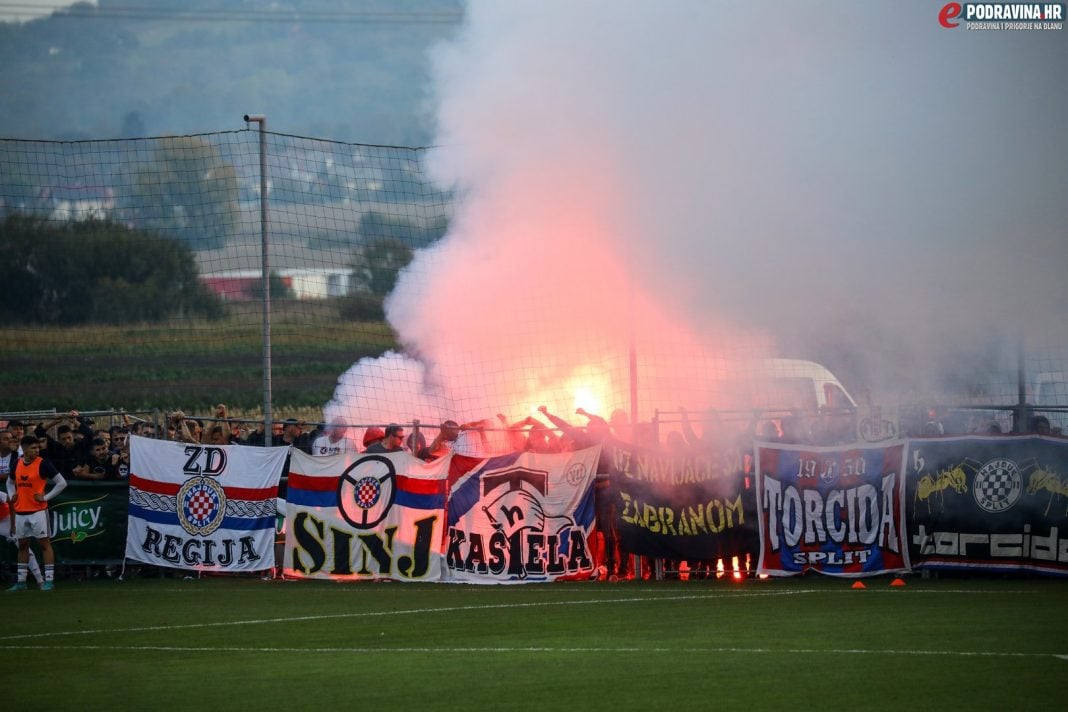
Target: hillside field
point(186, 364)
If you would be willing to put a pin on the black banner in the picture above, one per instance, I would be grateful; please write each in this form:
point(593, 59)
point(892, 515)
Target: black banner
point(693, 505)
point(993, 503)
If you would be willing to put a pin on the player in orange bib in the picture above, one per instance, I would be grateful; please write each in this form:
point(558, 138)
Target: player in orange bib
point(29, 503)
point(8, 457)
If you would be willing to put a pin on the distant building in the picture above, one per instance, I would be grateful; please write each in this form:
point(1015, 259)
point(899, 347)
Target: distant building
point(244, 285)
point(77, 202)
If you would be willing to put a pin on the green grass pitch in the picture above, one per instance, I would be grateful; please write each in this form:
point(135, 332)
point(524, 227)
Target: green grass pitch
point(809, 643)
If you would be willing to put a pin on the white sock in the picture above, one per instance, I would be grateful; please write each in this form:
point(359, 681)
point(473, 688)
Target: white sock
point(23, 570)
point(49, 572)
point(35, 569)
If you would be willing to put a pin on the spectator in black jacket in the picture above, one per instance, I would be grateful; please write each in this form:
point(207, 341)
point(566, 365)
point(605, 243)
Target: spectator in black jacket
point(63, 451)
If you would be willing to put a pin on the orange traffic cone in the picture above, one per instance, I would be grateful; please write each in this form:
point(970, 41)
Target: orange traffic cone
point(898, 582)
point(858, 584)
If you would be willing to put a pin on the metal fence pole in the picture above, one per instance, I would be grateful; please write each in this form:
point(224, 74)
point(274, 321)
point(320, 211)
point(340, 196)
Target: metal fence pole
point(1021, 416)
point(261, 119)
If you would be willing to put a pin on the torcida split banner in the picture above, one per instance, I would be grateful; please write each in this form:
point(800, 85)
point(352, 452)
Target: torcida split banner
point(835, 510)
point(203, 507)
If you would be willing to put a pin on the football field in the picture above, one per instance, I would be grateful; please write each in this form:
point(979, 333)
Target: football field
point(809, 643)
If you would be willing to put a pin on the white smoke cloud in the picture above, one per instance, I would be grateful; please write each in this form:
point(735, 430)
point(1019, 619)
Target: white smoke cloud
point(723, 180)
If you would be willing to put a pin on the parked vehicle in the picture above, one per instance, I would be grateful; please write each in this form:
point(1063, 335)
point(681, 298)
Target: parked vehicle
point(797, 385)
point(792, 399)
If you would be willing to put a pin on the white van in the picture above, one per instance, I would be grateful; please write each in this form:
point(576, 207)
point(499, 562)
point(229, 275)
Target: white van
point(786, 393)
point(800, 398)
point(786, 384)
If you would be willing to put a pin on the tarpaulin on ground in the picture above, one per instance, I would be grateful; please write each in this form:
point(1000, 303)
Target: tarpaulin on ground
point(203, 507)
point(521, 517)
point(365, 516)
point(836, 510)
point(997, 503)
point(689, 505)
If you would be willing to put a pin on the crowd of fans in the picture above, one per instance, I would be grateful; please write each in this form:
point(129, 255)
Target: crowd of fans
point(77, 449)
point(81, 451)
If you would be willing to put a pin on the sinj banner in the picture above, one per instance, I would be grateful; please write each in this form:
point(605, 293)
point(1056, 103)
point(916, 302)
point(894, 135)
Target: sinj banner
point(835, 510)
point(521, 517)
point(995, 503)
point(364, 517)
point(203, 507)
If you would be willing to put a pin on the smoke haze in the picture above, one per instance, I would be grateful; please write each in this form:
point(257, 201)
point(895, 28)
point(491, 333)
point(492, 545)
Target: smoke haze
point(713, 182)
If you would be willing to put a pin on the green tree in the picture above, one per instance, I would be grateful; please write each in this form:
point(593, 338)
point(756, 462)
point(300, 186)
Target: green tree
point(188, 191)
point(97, 272)
point(409, 230)
point(375, 267)
point(19, 184)
point(279, 288)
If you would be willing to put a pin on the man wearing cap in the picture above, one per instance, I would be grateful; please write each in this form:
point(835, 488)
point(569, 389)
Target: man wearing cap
point(371, 436)
point(392, 442)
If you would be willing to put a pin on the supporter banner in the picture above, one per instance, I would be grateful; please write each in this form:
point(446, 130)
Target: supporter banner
point(995, 503)
point(521, 517)
point(88, 522)
point(208, 508)
point(839, 511)
point(686, 505)
point(353, 517)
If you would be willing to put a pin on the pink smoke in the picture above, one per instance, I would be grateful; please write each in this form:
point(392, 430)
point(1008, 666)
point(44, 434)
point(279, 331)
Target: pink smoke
point(691, 180)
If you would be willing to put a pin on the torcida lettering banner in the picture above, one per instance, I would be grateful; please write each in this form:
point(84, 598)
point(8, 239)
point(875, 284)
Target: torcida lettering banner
point(989, 503)
point(836, 510)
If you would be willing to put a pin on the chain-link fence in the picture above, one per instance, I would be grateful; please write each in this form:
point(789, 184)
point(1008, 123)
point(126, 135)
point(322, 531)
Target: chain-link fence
point(135, 281)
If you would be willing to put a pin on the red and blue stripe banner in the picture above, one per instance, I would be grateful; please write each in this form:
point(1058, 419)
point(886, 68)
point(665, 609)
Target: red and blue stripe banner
point(365, 517)
point(835, 510)
point(203, 507)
